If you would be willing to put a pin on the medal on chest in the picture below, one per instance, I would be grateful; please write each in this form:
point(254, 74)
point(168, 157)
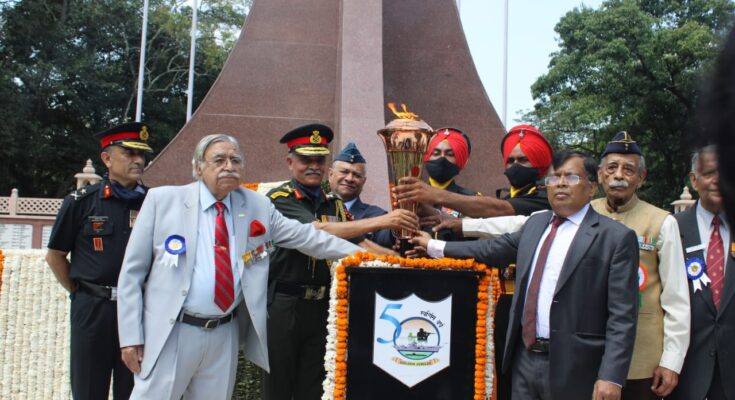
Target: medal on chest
point(257, 254)
point(133, 217)
point(646, 243)
point(97, 243)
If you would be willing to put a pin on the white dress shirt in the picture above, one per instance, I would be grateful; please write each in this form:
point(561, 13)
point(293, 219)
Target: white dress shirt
point(554, 261)
point(557, 253)
point(704, 223)
point(200, 299)
point(493, 227)
point(348, 204)
point(674, 295)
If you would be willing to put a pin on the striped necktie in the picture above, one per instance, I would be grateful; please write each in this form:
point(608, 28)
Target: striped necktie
point(530, 308)
point(224, 287)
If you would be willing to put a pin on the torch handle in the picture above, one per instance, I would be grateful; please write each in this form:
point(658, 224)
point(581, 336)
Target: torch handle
point(405, 246)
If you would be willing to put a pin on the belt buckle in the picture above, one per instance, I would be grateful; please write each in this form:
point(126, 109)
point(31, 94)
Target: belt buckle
point(311, 293)
point(113, 293)
point(539, 347)
point(211, 321)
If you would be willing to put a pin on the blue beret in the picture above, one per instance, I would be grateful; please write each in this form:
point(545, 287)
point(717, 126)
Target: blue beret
point(621, 143)
point(350, 154)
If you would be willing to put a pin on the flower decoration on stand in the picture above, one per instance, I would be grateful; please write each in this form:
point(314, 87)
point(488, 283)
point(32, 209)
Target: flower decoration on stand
point(2, 265)
point(335, 384)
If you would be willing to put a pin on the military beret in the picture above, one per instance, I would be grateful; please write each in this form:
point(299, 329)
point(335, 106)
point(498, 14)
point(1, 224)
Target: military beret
point(309, 140)
point(133, 135)
point(621, 143)
point(350, 154)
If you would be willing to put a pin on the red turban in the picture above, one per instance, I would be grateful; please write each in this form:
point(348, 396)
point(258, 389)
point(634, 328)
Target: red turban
point(533, 144)
point(457, 141)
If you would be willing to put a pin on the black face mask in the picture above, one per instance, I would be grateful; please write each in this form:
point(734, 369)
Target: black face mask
point(441, 169)
point(520, 176)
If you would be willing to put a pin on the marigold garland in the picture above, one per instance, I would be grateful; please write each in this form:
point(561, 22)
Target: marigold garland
point(251, 186)
point(335, 385)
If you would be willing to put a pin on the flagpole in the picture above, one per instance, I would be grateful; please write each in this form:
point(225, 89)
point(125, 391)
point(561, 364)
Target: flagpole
point(192, 54)
point(141, 65)
point(505, 64)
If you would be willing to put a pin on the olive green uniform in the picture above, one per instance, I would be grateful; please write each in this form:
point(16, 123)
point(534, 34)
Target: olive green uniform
point(298, 301)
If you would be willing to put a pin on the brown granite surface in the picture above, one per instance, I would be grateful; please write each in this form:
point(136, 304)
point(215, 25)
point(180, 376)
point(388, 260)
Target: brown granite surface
point(427, 65)
point(338, 63)
point(280, 75)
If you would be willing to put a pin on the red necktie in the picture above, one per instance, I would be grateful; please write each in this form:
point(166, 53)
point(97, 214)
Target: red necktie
point(224, 288)
point(715, 262)
point(530, 309)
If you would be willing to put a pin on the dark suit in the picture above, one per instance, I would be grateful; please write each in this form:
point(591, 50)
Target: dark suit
point(593, 312)
point(361, 210)
point(713, 331)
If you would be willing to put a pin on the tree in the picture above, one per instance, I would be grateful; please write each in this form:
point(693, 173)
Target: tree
point(69, 69)
point(633, 65)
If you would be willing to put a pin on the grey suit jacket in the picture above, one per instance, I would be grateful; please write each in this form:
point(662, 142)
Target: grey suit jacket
point(713, 329)
point(594, 309)
point(150, 295)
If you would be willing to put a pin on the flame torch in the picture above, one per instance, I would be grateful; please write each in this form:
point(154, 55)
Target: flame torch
point(406, 140)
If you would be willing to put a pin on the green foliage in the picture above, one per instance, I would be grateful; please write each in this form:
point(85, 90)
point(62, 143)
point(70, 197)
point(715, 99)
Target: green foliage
point(247, 381)
point(632, 65)
point(69, 69)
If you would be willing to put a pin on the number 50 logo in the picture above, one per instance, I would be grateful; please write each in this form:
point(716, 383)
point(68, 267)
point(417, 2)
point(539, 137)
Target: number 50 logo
point(412, 337)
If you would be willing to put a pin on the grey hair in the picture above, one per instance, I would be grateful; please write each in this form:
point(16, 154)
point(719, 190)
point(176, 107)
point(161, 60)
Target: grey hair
point(697, 153)
point(202, 147)
point(641, 163)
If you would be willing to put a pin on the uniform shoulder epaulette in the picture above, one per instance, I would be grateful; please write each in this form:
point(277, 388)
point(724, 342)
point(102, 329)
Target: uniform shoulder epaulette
point(84, 191)
point(278, 194)
point(284, 190)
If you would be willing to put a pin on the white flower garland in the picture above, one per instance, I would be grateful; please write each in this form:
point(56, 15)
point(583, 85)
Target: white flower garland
point(34, 329)
point(330, 357)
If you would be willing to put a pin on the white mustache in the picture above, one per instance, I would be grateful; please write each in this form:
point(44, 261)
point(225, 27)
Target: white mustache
point(617, 184)
point(313, 172)
point(226, 174)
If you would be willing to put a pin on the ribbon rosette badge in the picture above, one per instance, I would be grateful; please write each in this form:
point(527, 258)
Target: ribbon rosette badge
point(174, 245)
point(696, 272)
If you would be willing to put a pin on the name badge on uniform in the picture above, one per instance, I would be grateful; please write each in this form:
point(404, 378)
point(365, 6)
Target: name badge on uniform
point(698, 247)
point(696, 273)
point(174, 245)
point(98, 224)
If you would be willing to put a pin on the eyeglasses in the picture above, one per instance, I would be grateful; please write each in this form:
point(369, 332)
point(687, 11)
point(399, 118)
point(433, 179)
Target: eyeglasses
point(555, 180)
point(219, 162)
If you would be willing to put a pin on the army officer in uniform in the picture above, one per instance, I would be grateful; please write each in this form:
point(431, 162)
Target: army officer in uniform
point(298, 285)
point(94, 224)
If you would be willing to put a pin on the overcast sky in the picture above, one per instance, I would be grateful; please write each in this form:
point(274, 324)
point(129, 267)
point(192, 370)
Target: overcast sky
point(531, 41)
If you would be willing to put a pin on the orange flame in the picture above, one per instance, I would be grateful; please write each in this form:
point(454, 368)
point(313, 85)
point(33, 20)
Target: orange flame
point(405, 114)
